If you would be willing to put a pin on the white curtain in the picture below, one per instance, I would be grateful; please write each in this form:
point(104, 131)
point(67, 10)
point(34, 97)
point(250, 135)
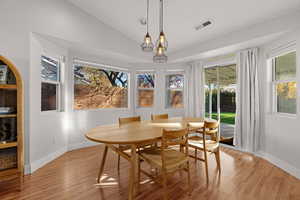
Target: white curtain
point(195, 97)
point(247, 101)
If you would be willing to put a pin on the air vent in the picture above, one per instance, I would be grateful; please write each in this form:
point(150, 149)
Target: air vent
point(203, 25)
point(143, 21)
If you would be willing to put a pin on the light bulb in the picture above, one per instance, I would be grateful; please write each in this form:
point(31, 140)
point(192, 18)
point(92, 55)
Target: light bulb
point(162, 38)
point(147, 45)
point(160, 49)
point(147, 40)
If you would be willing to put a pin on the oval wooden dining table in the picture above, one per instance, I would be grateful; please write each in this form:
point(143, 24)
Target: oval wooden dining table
point(136, 134)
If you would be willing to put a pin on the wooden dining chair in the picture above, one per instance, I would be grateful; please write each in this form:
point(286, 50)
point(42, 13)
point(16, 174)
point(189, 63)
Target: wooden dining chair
point(168, 160)
point(207, 145)
point(124, 121)
point(127, 120)
point(161, 116)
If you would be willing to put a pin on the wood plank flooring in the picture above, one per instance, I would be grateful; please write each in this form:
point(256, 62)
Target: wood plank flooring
point(73, 177)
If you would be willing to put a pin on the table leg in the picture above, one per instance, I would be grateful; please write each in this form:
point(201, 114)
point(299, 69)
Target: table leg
point(133, 173)
point(102, 164)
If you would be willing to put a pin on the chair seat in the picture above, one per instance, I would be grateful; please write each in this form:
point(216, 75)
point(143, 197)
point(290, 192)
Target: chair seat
point(197, 142)
point(173, 158)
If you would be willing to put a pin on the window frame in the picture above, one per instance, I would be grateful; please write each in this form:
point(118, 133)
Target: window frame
point(167, 89)
point(275, 82)
point(77, 62)
point(57, 83)
point(150, 89)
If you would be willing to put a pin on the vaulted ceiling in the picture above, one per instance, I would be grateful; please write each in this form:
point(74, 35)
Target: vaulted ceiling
point(181, 17)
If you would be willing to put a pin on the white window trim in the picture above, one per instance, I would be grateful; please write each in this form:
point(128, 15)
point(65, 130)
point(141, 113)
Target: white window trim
point(138, 88)
point(275, 82)
point(105, 67)
point(58, 83)
point(175, 72)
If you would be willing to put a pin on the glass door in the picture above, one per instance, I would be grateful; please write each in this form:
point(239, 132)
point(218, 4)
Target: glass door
point(220, 93)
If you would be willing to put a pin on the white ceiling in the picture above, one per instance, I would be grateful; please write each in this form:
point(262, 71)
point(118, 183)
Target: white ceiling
point(181, 16)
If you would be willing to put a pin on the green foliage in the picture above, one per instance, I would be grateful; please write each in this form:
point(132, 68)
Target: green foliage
point(226, 117)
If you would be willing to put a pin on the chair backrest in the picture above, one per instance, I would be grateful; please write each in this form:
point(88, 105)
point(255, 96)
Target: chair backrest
point(161, 116)
point(172, 137)
point(127, 120)
point(213, 128)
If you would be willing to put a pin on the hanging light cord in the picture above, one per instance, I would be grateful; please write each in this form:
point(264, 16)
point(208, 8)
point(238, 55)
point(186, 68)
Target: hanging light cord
point(147, 15)
point(161, 15)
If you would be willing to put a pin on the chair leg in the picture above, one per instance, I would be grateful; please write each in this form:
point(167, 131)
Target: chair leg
point(195, 155)
point(139, 172)
point(217, 155)
point(164, 176)
point(102, 164)
point(189, 178)
point(206, 166)
point(119, 158)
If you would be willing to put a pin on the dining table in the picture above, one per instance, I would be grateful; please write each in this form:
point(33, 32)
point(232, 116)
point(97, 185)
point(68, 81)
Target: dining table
point(135, 135)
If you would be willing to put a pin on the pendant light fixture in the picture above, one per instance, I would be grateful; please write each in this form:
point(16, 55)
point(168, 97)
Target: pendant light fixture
point(161, 43)
point(147, 45)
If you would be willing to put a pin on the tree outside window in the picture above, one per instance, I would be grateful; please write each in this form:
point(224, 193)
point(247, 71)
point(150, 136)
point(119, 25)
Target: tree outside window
point(99, 88)
point(284, 83)
point(145, 89)
point(175, 86)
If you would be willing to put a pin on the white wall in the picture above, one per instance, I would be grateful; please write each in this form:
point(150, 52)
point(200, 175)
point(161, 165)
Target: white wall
point(45, 134)
point(57, 28)
point(49, 135)
point(280, 141)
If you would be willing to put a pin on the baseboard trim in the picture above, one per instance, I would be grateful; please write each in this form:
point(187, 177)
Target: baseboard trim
point(43, 161)
point(81, 145)
point(27, 169)
point(273, 160)
point(285, 166)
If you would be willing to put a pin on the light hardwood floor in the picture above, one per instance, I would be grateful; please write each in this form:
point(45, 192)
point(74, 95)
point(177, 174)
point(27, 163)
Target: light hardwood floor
point(73, 176)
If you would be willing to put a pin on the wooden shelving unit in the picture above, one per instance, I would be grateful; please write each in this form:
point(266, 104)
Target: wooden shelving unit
point(11, 125)
point(8, 115)
point(8, 86)
point(8, 145)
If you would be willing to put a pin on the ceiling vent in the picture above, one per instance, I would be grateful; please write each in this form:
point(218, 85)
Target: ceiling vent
point(143, 21)
point(203, 25)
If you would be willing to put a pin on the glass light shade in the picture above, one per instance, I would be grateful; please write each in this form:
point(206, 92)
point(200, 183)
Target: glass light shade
point(160, 56)
point(147, 45)
point(162, 40)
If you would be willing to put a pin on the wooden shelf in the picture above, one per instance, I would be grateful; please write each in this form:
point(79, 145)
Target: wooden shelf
point(12, 94)
point(9, 172)
point(8, 86)
point(8, 115)
point(8, 145)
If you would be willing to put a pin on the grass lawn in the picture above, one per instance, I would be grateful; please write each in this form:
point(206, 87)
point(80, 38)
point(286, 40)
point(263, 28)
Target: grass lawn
point(226, 117)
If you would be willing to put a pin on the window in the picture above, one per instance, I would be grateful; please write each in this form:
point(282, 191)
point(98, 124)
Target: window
point(145, 90)
point(50, 84)
point(284, 83)
point(174, 85)
point(96, 87)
